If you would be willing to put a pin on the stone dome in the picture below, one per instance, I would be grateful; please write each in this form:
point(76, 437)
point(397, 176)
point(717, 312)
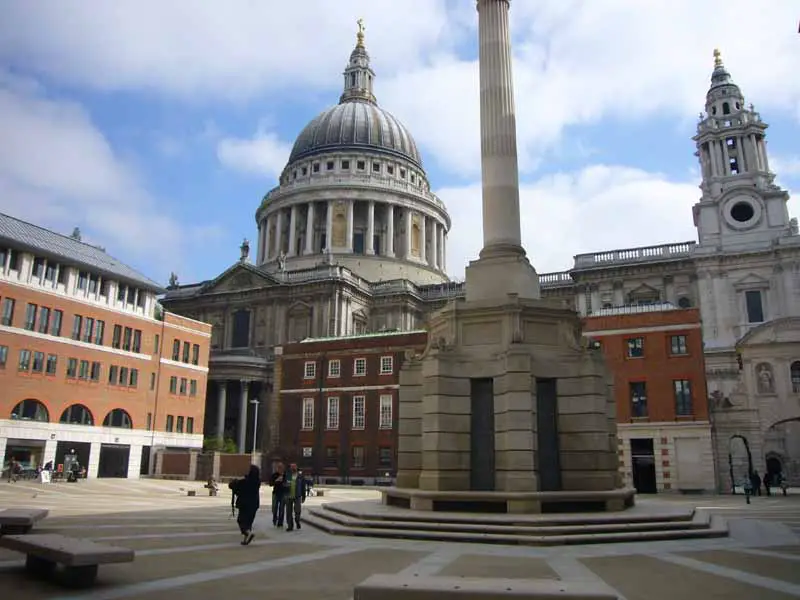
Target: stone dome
point(356, 124)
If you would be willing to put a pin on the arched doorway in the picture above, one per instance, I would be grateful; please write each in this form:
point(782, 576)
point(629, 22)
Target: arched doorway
point(774, 464)
point(118, 418)
point(30, 410)
point(115, 458)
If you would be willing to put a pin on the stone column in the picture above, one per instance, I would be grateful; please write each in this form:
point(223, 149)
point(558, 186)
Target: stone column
point(444, 251)
point(260, 245)
point(763, 145)
point(351, 208)
point(434, 258)
point(293, 232)
point(310, 229)
point(242, 437)
point(389, 243)
point(726, 158)
point(222, 400)
point(369, 246)
point(278, 232)
point(441, 247)
point(407, 249)
point(423, 238)
point(267, 241)
point(499, 170)
point(134, 461)
point(94, 460)
point(329, 227)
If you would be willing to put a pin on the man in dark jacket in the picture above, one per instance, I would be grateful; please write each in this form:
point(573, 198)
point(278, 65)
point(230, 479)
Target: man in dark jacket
point(248, 500)
point(276, 483)
point(294, 494)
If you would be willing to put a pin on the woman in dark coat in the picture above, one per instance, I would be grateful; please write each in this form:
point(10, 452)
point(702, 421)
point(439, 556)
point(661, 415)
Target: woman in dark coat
point(248, 500)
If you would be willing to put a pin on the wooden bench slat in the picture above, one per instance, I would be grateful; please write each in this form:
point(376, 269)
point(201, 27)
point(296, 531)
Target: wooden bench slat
point(70, 552)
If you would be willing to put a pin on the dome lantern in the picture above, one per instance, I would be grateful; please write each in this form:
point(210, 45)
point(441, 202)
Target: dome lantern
point(358, 75)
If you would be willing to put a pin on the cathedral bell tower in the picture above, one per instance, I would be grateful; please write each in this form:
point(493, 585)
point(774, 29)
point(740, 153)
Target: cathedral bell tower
point(741, 208)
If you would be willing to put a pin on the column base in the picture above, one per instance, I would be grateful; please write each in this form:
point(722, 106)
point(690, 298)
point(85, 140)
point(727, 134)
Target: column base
point(498, 273)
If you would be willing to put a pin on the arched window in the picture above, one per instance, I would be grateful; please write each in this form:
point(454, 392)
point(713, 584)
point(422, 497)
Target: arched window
point(31, 410)
point(726, 108)
point(118, 418)
point(77, 414)
point(794, 371)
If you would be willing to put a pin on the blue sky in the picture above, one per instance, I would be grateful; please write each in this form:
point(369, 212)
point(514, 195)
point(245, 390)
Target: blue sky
point(158, 127)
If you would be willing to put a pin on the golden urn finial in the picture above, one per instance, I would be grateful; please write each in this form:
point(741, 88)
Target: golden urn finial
point(360, 34)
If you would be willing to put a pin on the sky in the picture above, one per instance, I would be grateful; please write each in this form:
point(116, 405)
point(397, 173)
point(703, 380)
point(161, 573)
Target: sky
point(157, 127)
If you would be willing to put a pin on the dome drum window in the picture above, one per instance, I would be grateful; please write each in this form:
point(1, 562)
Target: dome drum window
point(361, 165)
point(345, 165)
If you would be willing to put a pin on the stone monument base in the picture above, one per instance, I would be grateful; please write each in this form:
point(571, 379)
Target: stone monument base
point(508, 404)
point(510, 502)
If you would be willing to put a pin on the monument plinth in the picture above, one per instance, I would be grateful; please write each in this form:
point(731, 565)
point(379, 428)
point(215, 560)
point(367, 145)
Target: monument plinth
point(506, 410)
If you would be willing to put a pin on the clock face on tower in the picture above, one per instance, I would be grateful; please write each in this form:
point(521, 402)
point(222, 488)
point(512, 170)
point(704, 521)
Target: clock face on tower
point(742, 211)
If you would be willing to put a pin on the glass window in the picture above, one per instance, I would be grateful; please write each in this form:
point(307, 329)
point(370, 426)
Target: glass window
point(137, 340)
point(38, 362)
point(189, 424)
point(99, 331)
point(176, 350)
point(173, 385)
point(50, 271)
point(156, 344)
point(127, 338)
point(170, 422)
point(385, 458)
point(794, 372)
point(310, 370)
point(755, 306)
point(83, 279)
point(638, 393)
point(72, 368)
point(121, 291)
point(77, 322)
point(44, 320)
point(24, 360)
point(678, 345)
point(52, 364)
point(184, 384)
point(193, 387)
point(359, 412)
point(179, 425)
point(134, 380)
point(358, 457)
point(113, 374)
point(58, 317)
point(152, 381)
point(88, 329)
point(385, 411)
point(683, 397)
point(635, 347)
point(3, 356)
point(334, 368)
point(83, 370)
point(195, 354)
point(186, 351)
point(308, 413)
point(333, 414)
point(30, 317)
point(331, 456)
point(360, 367)
point(387, 365)
point(116, 337)
point(95, 374)
point(8, 312)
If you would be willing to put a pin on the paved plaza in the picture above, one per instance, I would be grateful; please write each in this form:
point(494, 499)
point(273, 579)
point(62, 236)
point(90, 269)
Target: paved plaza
point(190, 546)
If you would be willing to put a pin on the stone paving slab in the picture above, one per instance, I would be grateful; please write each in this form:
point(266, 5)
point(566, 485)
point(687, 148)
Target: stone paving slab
point(328, 579)
point(161, 542)
point(776, 568)
point(648, 578)
point(498, 567)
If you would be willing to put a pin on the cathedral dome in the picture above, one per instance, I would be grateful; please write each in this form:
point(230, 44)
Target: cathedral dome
point(356, 124)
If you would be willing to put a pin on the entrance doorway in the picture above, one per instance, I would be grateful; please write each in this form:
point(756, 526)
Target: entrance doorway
point(643, 465)
point(548, 457)
point(28, 453)
point(774, 465)
point(114, 461)
point(482, 435)
point(81, 450)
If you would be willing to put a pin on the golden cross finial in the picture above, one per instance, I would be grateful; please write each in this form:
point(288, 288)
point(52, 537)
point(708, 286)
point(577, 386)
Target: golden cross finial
point(717, 57)
point(360, 34)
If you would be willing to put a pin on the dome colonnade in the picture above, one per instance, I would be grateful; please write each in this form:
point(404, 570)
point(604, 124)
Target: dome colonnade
point(354, 188)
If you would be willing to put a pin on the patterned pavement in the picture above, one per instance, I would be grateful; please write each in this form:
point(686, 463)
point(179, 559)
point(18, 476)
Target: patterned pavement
point(189, 546)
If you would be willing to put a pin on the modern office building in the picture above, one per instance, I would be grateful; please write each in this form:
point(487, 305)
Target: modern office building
point(88, 361)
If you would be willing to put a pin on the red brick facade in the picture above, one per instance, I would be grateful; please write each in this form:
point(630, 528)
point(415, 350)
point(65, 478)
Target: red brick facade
point(339, 404)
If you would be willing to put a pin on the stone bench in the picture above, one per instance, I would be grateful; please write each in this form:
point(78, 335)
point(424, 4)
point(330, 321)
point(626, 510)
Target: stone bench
point(20, 520)
point(402, 587)
point(80, 558)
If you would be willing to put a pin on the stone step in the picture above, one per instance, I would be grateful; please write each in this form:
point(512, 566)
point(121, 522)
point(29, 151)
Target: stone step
point(342, 517)
point(320, 520)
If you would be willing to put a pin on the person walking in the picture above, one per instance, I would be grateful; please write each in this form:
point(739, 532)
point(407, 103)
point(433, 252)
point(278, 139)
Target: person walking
point(248, 501)
point(294, 497)
point(276, 481)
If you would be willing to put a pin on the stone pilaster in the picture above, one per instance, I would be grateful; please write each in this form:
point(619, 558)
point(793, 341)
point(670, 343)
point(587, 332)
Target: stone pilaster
point(409, 455)
point(369, 245)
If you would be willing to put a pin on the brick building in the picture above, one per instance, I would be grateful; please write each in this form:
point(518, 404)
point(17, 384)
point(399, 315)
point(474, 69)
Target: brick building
point(655, 353)
point(336, 404)
point(88, 362)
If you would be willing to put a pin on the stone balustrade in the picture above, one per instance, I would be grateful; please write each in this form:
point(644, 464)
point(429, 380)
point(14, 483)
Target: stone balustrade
point(634, 255)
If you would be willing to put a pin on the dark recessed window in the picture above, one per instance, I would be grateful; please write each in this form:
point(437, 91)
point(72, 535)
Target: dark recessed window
point(390, 170)
point(742, 212)
point(304, 171)
point(376, 167)
point(315, 167)
point(346, 165)
point(329, 165)
point(361, 165)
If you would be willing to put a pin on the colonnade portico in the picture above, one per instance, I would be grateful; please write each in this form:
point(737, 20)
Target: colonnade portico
point(244, 391)
point(363, 227)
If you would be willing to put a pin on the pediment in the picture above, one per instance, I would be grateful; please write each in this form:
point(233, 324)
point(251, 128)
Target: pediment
point(751, 281)
point(239, 277)
point(779, 331)
point(299, 308)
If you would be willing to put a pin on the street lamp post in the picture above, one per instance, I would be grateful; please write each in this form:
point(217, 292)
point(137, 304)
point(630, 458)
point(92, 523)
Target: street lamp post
point(255, 404)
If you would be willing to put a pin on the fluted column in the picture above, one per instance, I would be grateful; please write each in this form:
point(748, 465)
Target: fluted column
point(369, 244)
point(351, 208)
point(441, 247)
point(407, 249)
point(499, 169)
point(310, 229)
point(389, 242)
point(444, 252)
point(242, 437)
point(434, 257)
point(292, 231)
point(278, 232)
point(329, 227)
point(222, 399)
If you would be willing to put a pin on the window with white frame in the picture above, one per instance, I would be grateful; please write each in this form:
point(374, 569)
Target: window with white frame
point(310, 370)
point(387, 365)
point(360, 367)
point(333, 414)
point(334, 368)
point(308, 413)
point(385, 421)
point(359, 412)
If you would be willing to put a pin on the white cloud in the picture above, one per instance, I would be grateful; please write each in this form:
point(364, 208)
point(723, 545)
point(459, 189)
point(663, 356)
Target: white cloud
point(576, 61)
point(598, 208)
point(785, 166)
point(58, 170)
point(264, 155)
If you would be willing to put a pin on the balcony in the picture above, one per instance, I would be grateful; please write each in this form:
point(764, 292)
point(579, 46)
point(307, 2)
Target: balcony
point(646, 254)
point(555, 280)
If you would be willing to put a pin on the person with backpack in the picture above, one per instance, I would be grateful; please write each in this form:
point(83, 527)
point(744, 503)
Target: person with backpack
point(246, 497)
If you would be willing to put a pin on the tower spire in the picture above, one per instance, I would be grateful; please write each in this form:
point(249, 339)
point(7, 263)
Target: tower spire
point(358, 75)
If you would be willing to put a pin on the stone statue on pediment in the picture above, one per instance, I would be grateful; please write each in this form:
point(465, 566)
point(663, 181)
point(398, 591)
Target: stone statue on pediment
point(765, 379)
point(282, 262)
point(173, 280)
